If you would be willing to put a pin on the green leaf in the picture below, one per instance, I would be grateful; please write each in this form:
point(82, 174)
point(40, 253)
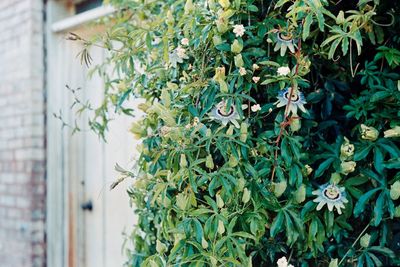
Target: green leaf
point(360, 205)
point(323, 167)
point(306, 27)
point(276, 225)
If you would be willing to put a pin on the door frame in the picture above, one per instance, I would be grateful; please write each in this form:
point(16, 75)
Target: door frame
point(60, 233)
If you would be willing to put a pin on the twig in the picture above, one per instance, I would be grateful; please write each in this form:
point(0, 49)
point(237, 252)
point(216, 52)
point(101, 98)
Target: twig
point(354, 243)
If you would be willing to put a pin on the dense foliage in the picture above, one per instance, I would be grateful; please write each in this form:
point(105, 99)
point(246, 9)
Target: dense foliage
point(271, 129)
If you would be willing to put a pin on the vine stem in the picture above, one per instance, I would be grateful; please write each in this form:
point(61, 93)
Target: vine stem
point(286, 121)
point(354, 243)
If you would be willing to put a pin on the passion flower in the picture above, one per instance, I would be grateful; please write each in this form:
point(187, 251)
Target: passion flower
point(331, 195)
point(297, 100)
point(283, 42)
point(224, 114)
point(368, 133)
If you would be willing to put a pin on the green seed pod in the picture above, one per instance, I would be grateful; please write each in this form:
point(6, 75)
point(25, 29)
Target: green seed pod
point(243, 132)
point(240, 185)
point(183, 162)
point(221, 227)
point(364, 240)
point(238, 60)
point(236, 47)
point(295, 124)
point(209, 162)
point(395, 190)
point(223, 86)
point(280, 188)
point(246, 196)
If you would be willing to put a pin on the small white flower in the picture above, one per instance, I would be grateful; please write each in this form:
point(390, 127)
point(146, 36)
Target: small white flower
point(255, 108)
point(283, 71)
point(255, 67)
point(242, 71)
point(331, 195)
point(256, 79)
point(185, 41)
point(297, 101)
point(238, 30)
point(224, 115)
point(181, 52)
point(282, 262)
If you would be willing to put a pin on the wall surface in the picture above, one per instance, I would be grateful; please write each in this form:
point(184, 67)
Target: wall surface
point(22, 134)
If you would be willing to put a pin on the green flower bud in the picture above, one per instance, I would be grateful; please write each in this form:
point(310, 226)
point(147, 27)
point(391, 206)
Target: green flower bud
point(219, 74)
point(364, 240)
point(160, 247)
point(221, 227)
point(397, 212)
point(307, 170)
point(246, 196)
point(394, 132)
point(279, 188)
point(300, 194)
point(189, 6)
point(224, 3)
point(334, 263)
point(229, 132)
point(236, 47)
point(217, 40)
point(223, 86)
point(209, 162)
point(208, 133)
point(335, 178)
point(238, 60)
point(340, 17)
point(214, 261)
point(233, 161)
point(243, 131)
point(240, 185)
point(183, 162)
point(395, 190)
point(222, 24)
point(220, 201)
point(347, 167)
point(204, 243)
point(295, 124)
point(346, 150)
point(181, 201)
point(369, 133)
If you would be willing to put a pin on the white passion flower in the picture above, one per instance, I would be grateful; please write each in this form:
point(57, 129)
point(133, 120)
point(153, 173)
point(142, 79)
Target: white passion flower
point(185, 41)
point(297, 100)
point(224, 115)
point(331, 195)
point(238, 30)
point(283, 71)
point(283, 42)
point(282, 262)
point(255, 107)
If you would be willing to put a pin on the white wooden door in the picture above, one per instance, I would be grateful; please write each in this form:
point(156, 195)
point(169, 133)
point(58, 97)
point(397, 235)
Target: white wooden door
point(81, 166)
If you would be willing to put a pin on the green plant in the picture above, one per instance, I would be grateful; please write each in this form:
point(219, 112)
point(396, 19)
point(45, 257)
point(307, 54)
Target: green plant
point(260, 139)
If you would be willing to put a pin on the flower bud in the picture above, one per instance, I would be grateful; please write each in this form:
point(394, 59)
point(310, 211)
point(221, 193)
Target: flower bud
point(365, 240)
point(223, 86)
point(347, 167)
point(219, 74)
point(160, 247)
point(189, 6)
point(209, 162)
point(279, 188)
point(369, 133)
point(335, 178)
point(236, 47)
point(181, 201)
point(397, 212)
point(183, 162)
point(240, 185)
point(220, 201)
point(295, 124)
point(204, 243)
point(395, 190)
point(246, 196)
point(224, 3)
point(233, 161)
point(222, 24)
point(208, 132)
point(221, 227)
point(229, 132)
point(333, 263)
point(300, 194)
point(340, 17)
point(394, 132)
point(346, 150)
point(243, 132)
point(307, 170)
point(238, 60)
point(217, 40)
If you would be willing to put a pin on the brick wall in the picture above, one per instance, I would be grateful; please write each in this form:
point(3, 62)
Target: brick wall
point(22, 134)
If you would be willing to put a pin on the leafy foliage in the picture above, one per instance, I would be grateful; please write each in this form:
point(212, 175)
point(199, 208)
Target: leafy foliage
point(228, 175)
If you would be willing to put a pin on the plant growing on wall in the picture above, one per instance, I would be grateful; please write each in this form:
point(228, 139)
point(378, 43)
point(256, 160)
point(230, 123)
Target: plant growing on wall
point(271, 131)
